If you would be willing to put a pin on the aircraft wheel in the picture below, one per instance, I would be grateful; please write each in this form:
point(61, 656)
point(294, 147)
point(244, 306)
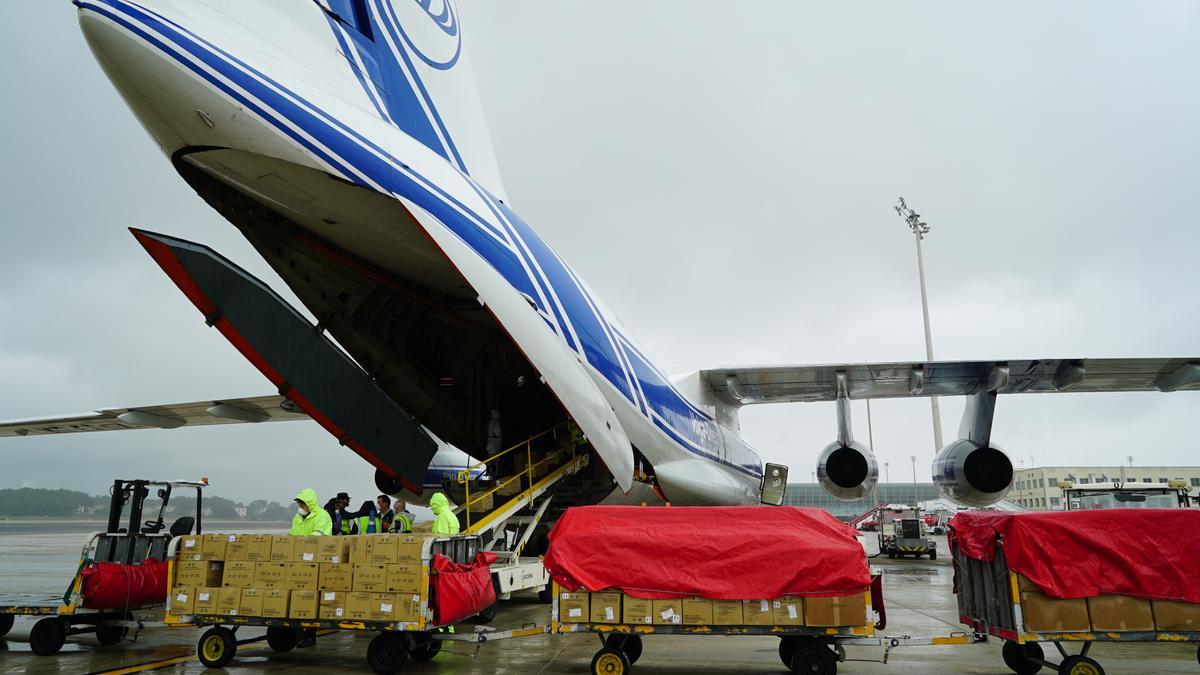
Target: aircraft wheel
point(110, 635)
point(283, 638)
point(609, 661)
point(630, 645)
point(6, 623)
point(216, 647)
point(816, 659)
point(933, 554)
point(48, 636)
point(387, 653)
point(1018, 657)
point(1080, 665)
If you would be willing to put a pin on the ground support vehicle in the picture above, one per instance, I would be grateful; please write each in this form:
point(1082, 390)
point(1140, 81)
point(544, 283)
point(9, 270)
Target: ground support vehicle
point(135, 541)
point(395, 642)
point(1173, 494)
point(900, 537)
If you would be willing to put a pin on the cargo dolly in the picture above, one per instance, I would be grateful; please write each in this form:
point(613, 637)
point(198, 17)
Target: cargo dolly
point(65, 616)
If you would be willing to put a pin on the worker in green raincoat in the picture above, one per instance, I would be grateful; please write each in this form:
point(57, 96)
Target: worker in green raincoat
point(445, 522)
point(310, 518)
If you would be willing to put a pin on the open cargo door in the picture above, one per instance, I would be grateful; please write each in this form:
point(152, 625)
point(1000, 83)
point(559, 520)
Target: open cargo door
point(306, 366)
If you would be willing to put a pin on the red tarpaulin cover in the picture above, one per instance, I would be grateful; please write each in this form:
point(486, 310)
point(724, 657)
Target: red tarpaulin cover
point(115, 586)
point(718, 552)
point(462, 590)
point(1149, 553)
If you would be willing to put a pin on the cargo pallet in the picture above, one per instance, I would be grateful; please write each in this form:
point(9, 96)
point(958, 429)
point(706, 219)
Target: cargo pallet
point(395, 643)
point(989, 600)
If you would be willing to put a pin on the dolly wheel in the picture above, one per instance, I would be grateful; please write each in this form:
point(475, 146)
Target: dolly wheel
point(814, 659)
point(1022, 659)
point(933, 554)
point(47, 636)
point(609, 661)
point(110, 635)
point(787, 647)
point(6, 624)
point(630, 645)
point(1080, 665)
point(283, 638)
point(387, 653)
point(216, 647)
point(425, 647)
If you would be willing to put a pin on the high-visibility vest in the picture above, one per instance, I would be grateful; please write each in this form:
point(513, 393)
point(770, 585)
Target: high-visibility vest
point(403, 522)
point(368, 524)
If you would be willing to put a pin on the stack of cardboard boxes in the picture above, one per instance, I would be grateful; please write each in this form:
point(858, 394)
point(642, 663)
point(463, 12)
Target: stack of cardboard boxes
point(1107, 613)
point(377, 577)
point(615, 607)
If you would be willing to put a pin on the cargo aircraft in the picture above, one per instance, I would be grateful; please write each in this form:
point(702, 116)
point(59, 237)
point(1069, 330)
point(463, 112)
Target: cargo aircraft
point(346, 140)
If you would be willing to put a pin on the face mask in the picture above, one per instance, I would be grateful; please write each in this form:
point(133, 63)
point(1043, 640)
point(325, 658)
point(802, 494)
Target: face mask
point(302, 512)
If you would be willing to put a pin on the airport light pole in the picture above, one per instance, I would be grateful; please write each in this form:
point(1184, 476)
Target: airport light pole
point(919, 230)
point(914, 464)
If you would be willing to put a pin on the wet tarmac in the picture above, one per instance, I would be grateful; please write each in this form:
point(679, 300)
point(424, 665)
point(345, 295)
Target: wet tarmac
point(919, 603)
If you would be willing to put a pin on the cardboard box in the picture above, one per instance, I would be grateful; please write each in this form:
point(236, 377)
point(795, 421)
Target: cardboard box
point(252, 602)
point(191, 547)
point(198, 573)
point(383, 607)
point(360, 549)
point(636, 610)
point(236, 547)
point(335, 577)
point(214, 547)
point(238, 574)
point(408, 547)
point(275, 603)
point(258, 548)
point(727, 613)
point(573, 607)
point(183, 600)
point(1119, 613)
point(1044, 614)
point(697, 612)
point(206, 600)
point(270, 575)
point(482, 503)
point(305, 549)
point(844, 610)
point(358, 606)
point(512, 487)
point(1171, 615)
point(229, 601)
point(668, 612)
point(370, 578)
point(282, 548)
point(757, 613)
point(333, 549)
point(303, 576)
point(408, 607)
point(788, 611)
point(302, 605)
point(606, 607)
point(405, 578)
point(384, 549)
point(331, 605)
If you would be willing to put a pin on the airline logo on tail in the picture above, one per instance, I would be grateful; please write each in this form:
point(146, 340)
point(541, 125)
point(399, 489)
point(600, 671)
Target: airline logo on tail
point(439, 50)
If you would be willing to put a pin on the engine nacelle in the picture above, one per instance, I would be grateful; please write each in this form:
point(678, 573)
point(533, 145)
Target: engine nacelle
point(971, 474)
point(847, 471)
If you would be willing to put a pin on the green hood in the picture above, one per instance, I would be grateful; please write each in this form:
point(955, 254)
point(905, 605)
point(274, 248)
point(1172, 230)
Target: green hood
point(438, 503)
point(309, 497)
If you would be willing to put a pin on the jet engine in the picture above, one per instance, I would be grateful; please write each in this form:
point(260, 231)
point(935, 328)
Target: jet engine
point(847, 470)
point(973, 474)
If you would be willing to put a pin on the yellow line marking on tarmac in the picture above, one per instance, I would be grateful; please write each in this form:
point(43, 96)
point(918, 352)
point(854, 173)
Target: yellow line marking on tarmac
point(176, 660)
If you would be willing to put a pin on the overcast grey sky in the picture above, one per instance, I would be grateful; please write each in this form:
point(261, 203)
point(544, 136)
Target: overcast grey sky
point(723, 175)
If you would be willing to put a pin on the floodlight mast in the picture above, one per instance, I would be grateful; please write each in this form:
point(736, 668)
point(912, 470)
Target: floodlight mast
point(919, 230)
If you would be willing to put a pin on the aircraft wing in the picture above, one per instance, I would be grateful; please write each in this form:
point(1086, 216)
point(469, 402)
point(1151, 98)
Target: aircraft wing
point(196, 413)
point(782, 384)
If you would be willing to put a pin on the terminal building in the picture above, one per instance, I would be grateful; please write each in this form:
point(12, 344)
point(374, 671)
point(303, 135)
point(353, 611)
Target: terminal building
point(1037, 488)
point(812, 494)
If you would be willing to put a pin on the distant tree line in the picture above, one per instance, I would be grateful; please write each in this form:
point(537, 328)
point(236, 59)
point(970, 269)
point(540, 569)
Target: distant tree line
point(39, 502)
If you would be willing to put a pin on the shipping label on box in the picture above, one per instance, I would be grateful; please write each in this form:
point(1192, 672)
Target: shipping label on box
point(636, 610)
point(606, 607)
point(408, 547)
point(283, 548)
point(183, 600)
point(1120, 613)
point(697, 612)
point(1178, 616)
point(383, 607)
point(332, 605)
point(370, 578)
point(573, 607)
point(191, 547)
point(360, 549)
point(252, 602)
point(229, 600)
point(333, 549)
point(214, 546)
point(727, 613)
point(844, 610)
point(303, 576)
point(270, 575)
point(302, 605)
point(236, 547)
point(258, 548)
point(198, 573)
point(757, 613)
point(238, 574)
point(206, 600)
point(304, 549)
point(275, 603)
point(336, 577)
point(385, 549)
point(404, 578)
point(788, 611)
point(358, 606)
point(668, 612)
